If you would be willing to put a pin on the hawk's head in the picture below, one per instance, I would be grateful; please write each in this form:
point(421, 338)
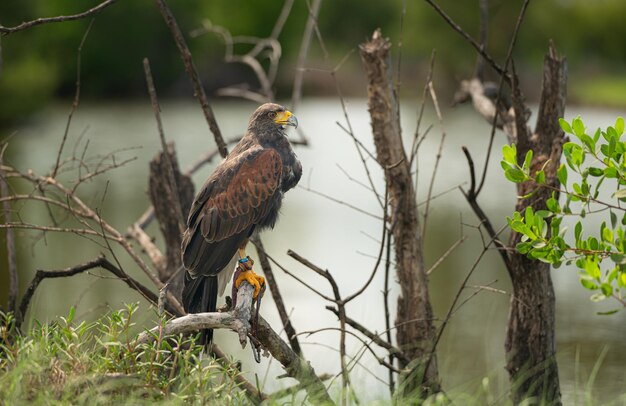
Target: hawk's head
point(271, 117)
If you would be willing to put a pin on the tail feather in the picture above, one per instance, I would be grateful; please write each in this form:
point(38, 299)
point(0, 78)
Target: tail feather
point(199, 296)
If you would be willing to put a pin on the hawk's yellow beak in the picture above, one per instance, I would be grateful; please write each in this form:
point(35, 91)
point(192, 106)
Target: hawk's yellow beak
point(286, 118)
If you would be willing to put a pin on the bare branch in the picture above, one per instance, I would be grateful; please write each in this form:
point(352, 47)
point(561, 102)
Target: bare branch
point(10, 238)
point(472, 41)
point(173, 189)
point(302, 54)
point(74, 102)
point(100, 262)
point(185, 54)
point(238, 320)
point(10, 30)
point(278, 299)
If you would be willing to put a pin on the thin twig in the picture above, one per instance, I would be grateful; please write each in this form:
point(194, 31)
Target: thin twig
point(100, 262)
point(509, 55)
point(278, 299)
point(10, 30)
point(387, 311)
point(74, 102)
point(185, 54)
point(445, 254)
point(433, 96)
point(302, 54)
point(10, 238)
point(173, 189)
point(340, 202)
point(472, 41)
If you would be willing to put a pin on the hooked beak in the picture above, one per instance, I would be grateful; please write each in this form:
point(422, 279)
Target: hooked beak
point(286, 118)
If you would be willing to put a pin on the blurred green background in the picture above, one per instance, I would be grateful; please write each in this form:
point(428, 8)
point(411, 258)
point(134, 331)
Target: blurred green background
point(40, 63)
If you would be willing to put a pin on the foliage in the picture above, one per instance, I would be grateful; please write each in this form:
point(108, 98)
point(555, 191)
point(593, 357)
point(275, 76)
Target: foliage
point(97, 363)
point(601, 256)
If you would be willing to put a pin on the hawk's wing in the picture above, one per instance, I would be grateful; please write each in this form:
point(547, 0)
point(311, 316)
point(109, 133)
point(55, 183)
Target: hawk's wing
point(235, 198)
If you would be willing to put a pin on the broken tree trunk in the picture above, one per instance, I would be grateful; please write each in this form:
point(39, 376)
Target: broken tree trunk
point(530, 340)
point(415, 330)
point(165, 210)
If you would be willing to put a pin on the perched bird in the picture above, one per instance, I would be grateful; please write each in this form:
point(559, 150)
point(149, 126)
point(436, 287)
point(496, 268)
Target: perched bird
point(243, 194)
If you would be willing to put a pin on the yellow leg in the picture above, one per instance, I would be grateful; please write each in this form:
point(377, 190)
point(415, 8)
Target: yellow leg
point(249, 275)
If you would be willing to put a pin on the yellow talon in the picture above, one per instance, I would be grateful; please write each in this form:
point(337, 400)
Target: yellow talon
point(253, 279)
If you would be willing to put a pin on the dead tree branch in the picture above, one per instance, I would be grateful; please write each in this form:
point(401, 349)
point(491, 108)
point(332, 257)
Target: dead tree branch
point(100, 262)
point(10, 238)
point(193, 75)
point(415, 338)
point(530, 342)
point(278, 299)
point(238, 320)
point(25, 25)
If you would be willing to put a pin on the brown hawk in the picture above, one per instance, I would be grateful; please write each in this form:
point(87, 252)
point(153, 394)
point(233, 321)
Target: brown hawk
point(243, 194)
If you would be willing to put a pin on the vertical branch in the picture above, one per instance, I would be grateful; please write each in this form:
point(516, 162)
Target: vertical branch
point(479, 70)
point(415, 331)
point(74, 102)
point(173, 189)
point(387, 314)
point(530, 341)
point(304, 51)
point(278, 299)
point(198, 90)
point(11, 257)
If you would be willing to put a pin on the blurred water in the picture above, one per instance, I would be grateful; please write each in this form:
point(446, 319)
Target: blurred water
point(334, 236)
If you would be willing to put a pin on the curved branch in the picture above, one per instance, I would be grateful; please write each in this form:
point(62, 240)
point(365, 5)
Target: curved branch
point(238, 320)
point(10, 30)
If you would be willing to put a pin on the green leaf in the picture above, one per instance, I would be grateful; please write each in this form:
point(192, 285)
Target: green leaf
point(565, 126)
point(593, 243)
point(618, 258)
point(509, 153)
point(596, 136)
point(608, 313)
point(578, 126)
point(610, 172)
point(523, 247)
point(607, 234)
point(540, 177)
point(589, 143)
point(578, 230)
point(515, 175)
point(529, 217)
point(528, 159)
point(607, 289)
point(543, 213)
point(619, 125)
point(592, 269)
point(587, 284)
point(593, 171)
point(553, 205)
point(561, 173)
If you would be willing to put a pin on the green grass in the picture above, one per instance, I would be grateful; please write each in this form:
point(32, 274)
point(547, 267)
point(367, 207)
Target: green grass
point(97, 363)
point(600, 90)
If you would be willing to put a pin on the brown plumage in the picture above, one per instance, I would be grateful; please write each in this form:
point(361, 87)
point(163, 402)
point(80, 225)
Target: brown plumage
point(244, 193)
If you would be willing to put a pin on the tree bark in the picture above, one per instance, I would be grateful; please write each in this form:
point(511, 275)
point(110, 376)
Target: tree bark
point(161, 195)
point(530, 341)
point(415, 330)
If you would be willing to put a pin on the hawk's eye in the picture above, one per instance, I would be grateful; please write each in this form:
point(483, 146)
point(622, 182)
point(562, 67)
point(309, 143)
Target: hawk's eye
point(272, 114)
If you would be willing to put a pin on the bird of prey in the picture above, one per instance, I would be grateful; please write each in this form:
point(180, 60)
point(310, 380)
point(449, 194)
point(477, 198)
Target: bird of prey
point(243, 194)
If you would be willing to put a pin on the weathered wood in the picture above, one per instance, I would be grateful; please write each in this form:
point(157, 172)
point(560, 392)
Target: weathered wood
point(238, 320)
point(415, 330)
point(530, 341)
point(161, 195)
